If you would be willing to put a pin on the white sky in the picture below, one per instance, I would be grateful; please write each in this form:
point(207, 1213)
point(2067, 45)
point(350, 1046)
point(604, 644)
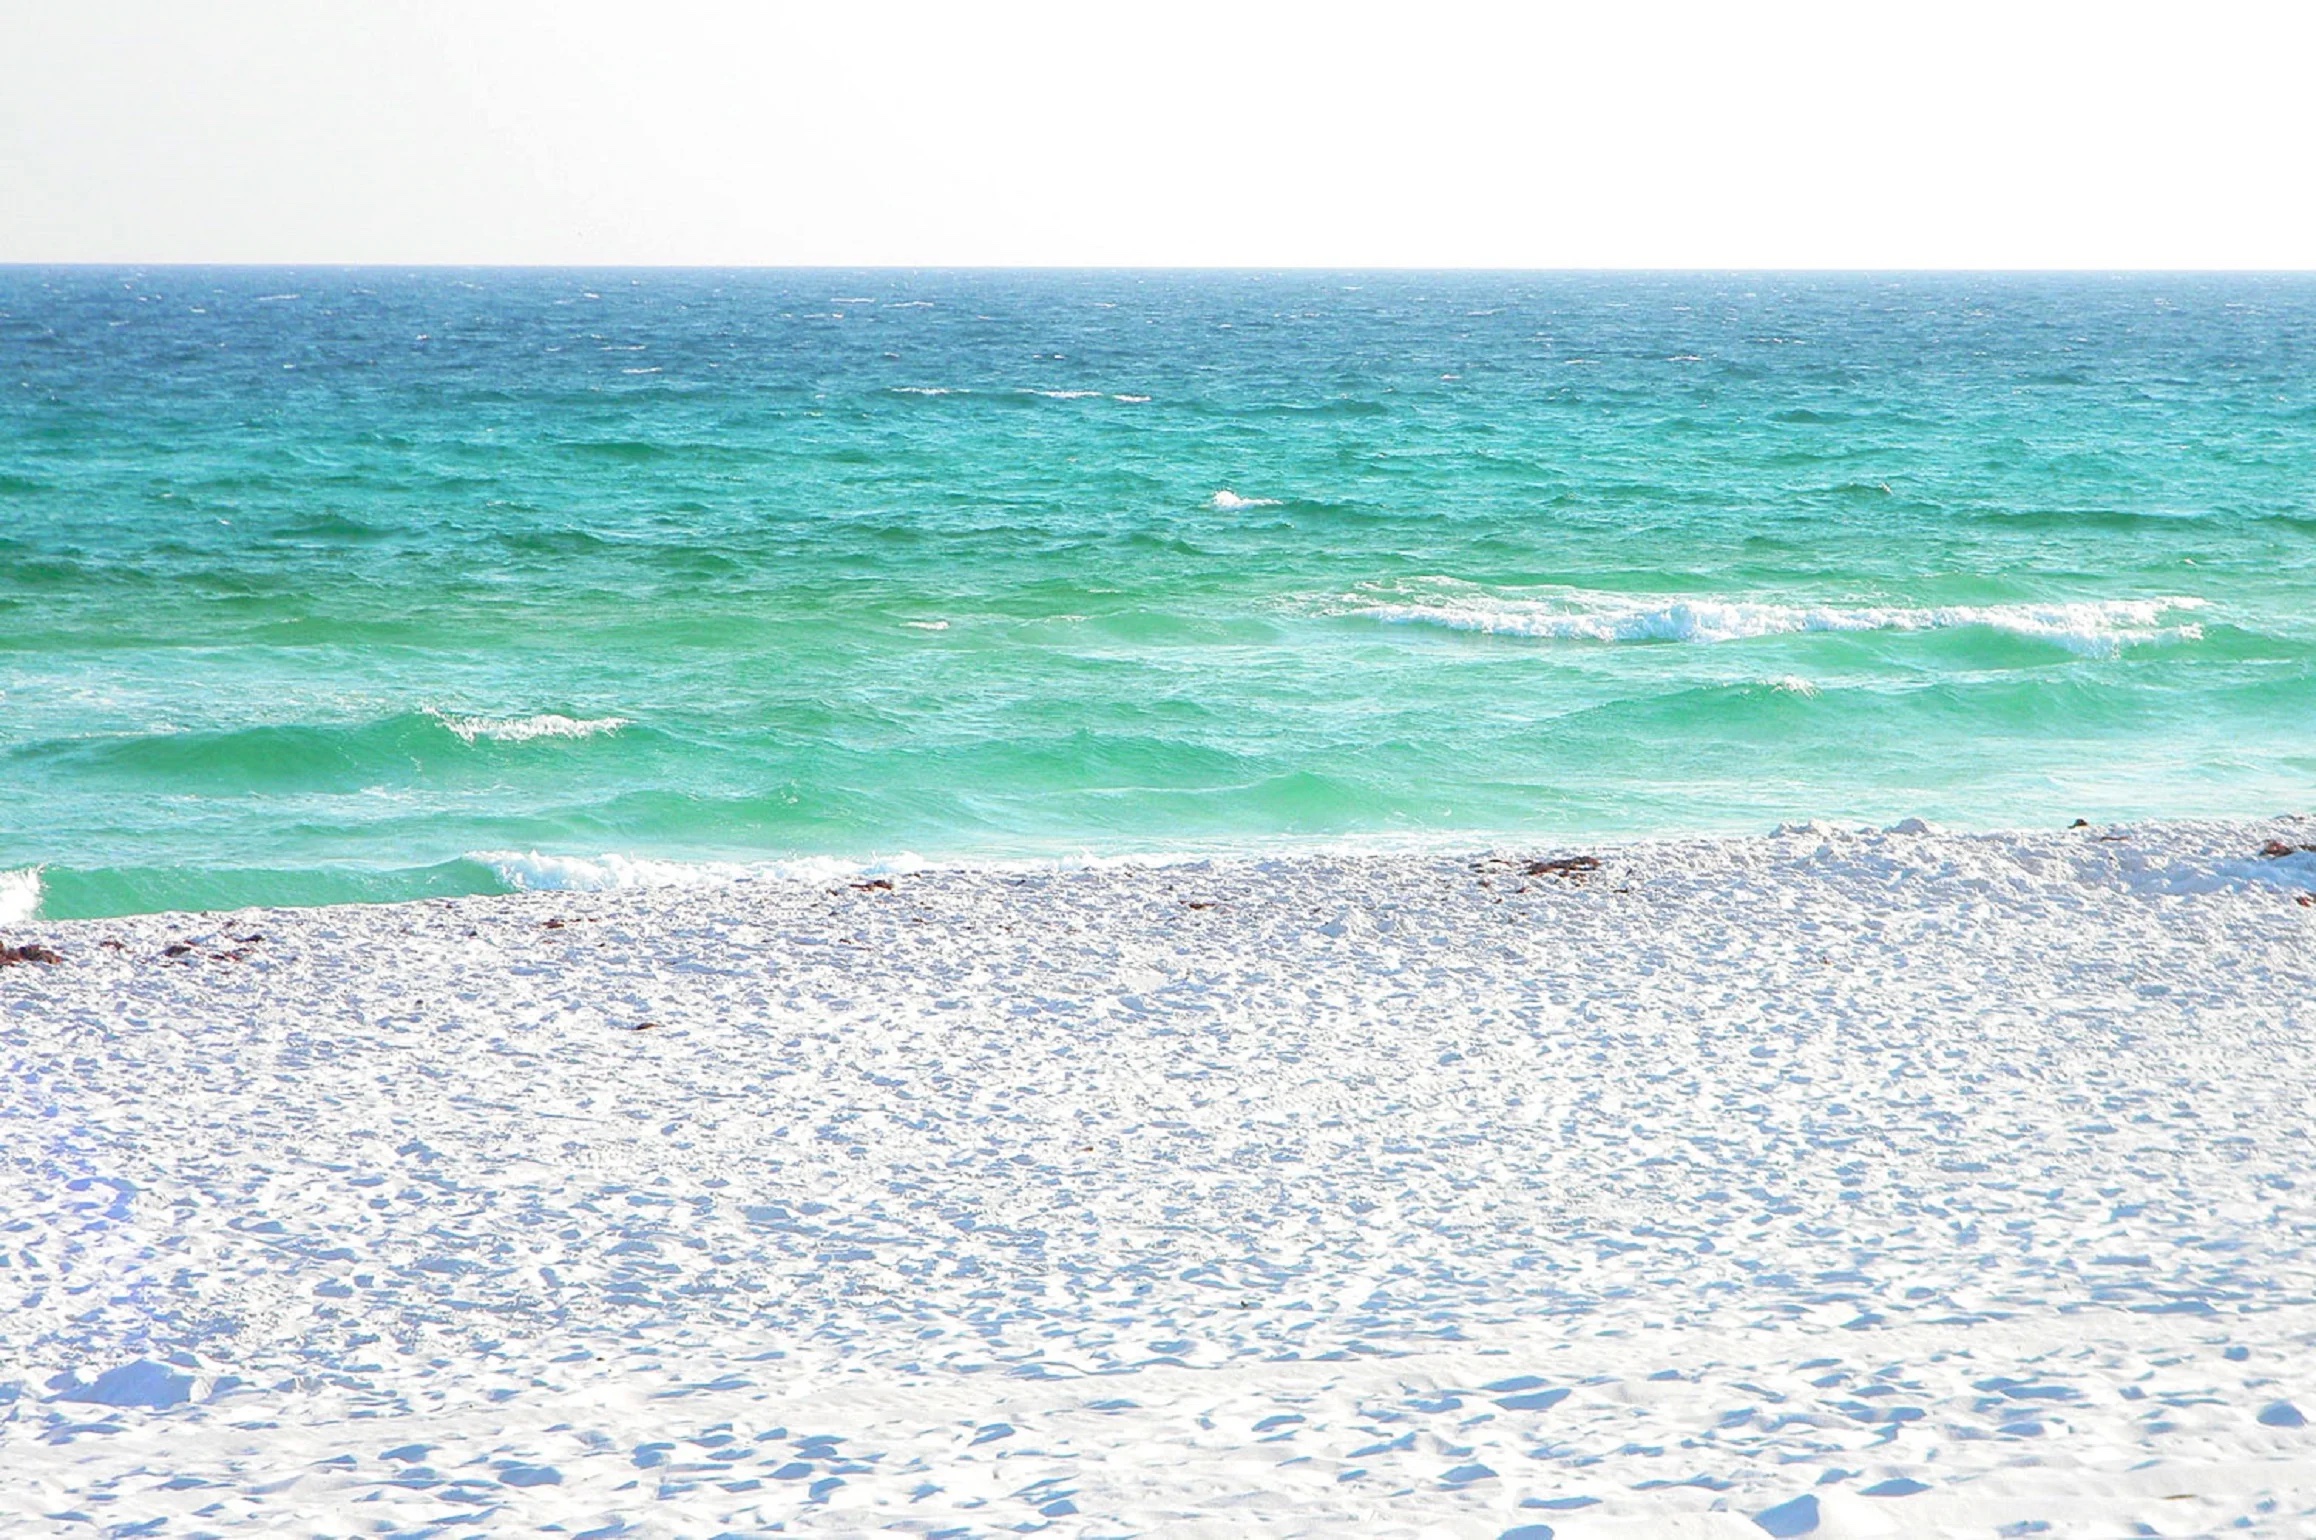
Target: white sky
point(1442, 133)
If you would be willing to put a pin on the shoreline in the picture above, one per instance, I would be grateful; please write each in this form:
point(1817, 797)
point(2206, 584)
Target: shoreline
point(532, 872)
point(1887, 1181)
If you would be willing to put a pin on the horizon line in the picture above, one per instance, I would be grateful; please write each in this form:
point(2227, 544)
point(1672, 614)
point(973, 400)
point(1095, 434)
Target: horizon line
point(1568, 270)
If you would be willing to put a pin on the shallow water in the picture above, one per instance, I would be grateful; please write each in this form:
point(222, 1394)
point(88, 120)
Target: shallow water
point(319, 585)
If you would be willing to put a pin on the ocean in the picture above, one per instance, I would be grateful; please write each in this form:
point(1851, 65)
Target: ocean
point(323, 585)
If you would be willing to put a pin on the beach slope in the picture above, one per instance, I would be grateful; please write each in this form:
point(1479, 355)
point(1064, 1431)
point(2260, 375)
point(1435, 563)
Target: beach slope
point(1836, 1182)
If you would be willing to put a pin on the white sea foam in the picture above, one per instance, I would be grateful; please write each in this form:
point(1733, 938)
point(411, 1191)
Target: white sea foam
point(2091, 627)
point(1228, 501)
point(1133, 400)
point(1791, 684)
point(926, 625)
point(922, 390)
point(19, 895)
point(523, 729)
point(534, 871)
point(1064, 395)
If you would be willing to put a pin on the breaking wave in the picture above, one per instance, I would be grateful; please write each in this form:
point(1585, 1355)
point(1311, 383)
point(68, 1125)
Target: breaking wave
point(2089, 627)
point(523, 729)
point(19, 895)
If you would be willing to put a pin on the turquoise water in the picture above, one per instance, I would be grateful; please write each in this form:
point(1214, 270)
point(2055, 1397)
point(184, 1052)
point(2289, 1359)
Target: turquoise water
point(319, 585)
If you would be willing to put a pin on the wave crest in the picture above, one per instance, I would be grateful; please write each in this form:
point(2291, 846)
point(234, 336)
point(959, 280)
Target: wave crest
point(524, 729)
point(2090, 627)
point(19, 895)
point(1227, 501)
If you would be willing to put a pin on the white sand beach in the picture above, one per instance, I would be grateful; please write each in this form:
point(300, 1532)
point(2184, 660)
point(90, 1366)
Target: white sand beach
point(1833, 1182)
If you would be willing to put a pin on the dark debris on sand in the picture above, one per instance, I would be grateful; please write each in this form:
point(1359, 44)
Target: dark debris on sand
point(1578, 868)
point(2277, 850)
point(29, 952)
point(188, 952)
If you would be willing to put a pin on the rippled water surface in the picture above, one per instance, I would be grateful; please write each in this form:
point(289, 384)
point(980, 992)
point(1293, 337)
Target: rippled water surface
point(336, 584)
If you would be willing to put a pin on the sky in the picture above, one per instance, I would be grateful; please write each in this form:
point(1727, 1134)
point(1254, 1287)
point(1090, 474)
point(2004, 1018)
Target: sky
point(1434, 134)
